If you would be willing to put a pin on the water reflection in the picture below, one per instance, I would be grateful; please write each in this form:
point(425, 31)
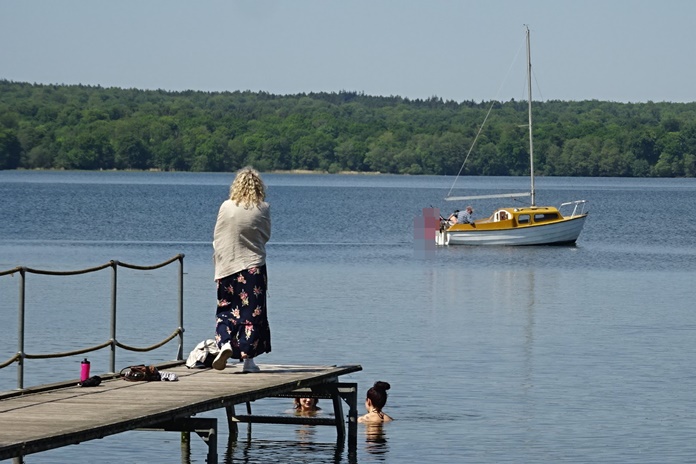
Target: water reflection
point(305, 448)
point(306, 434)
point(376, 440)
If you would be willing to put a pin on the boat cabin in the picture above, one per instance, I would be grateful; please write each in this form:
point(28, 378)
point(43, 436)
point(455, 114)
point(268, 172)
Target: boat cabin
point(536, 215)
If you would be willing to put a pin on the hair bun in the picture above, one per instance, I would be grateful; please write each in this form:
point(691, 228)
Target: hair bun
point(381, 385)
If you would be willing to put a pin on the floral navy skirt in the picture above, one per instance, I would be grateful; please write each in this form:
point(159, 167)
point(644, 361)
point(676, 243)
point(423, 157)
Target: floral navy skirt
point(241, 313)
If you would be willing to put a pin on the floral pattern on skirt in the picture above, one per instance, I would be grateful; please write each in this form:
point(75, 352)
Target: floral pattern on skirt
point(241, 313)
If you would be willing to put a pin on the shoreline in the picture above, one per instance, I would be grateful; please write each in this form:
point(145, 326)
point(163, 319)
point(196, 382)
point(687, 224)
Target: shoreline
point(275, 171)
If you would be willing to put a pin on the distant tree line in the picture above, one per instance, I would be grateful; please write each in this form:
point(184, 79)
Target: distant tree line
point(91, 128)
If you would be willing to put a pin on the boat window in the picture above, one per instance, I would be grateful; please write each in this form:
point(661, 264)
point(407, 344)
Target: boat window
point(523, 219)
point(545, 217)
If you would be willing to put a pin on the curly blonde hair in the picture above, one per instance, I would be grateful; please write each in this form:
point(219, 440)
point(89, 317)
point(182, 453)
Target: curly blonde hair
point(247, 188)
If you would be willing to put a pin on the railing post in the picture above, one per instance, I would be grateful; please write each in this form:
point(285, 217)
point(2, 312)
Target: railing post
point(114, 281)
point(180, 352)
point(20, 328)
point(113, 342)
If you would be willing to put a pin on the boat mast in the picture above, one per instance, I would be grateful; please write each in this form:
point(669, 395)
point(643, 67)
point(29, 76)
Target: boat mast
point(529, 107)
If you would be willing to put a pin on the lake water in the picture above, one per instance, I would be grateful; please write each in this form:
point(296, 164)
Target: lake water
point(494, 354)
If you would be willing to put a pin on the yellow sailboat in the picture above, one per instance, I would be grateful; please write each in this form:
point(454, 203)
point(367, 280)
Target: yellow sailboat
point(529, 225)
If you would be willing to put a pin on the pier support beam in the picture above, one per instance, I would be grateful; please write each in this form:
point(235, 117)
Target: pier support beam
point(336, 391)
point(206, 428)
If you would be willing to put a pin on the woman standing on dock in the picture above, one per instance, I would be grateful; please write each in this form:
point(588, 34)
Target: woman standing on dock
point(242, 229)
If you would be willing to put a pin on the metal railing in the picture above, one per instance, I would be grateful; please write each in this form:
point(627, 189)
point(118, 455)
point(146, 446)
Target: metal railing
point(113, 342)
point(578, 207)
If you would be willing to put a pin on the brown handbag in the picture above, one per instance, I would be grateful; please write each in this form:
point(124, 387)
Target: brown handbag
point(140, 373)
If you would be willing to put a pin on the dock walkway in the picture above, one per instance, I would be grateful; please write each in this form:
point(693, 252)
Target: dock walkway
point(51, 416)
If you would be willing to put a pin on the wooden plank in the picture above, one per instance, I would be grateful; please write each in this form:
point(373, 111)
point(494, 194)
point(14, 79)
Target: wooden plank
point(79, 414)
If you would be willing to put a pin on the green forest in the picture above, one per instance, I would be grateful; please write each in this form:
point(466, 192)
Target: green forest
point(94, 128)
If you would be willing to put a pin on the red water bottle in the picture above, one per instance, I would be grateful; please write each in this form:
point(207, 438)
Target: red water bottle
point(84, 370)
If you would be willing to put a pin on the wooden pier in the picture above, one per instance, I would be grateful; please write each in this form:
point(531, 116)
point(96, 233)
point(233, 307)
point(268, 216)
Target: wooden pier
point(51, 416)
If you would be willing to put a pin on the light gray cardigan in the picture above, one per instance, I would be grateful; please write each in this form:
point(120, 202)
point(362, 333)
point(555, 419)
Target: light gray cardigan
point(239, 240)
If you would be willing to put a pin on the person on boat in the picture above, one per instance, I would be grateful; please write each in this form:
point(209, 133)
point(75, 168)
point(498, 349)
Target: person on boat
point(375, 401)
point(462, 217)
point(306, 405)
point(453, 218)
point(466, 216)
point(242, 229)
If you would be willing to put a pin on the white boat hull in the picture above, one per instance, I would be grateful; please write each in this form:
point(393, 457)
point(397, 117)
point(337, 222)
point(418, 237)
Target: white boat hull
point(558, 233)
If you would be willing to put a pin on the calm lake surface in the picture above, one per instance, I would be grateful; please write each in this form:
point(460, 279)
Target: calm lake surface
point(522, 355)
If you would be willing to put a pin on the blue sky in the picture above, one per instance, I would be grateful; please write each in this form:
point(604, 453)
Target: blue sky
point(613, 50)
